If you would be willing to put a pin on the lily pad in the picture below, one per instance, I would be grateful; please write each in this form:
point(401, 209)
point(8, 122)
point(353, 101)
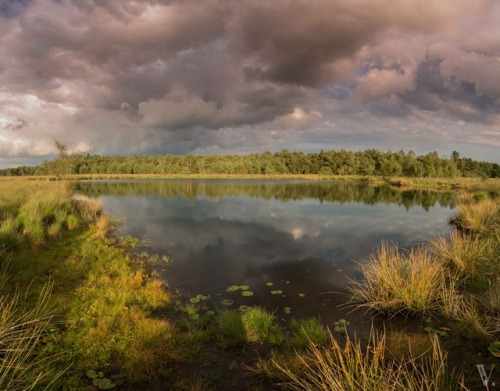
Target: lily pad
point(494, 348)
point(269, 284)
point(247, 293)
point(210, 313)
point(233, 288)
point(92, 374)
point(340, 325)
point(199, 298)
point(244, 287)
point(195, 316)
point(277, 292)
point(227, 302)
point(302, 295)
point(104, 384)
point(287, 310)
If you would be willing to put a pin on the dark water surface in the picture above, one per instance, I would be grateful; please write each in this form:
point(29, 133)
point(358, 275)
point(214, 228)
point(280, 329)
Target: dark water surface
point(303, 237)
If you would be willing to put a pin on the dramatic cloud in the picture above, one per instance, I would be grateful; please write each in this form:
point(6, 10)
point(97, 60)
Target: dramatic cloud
point(238, 76)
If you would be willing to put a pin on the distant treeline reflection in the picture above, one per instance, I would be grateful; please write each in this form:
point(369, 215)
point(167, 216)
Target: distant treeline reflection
point(328, 191)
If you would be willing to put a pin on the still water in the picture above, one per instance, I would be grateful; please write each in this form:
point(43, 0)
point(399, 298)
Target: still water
point(294, 243)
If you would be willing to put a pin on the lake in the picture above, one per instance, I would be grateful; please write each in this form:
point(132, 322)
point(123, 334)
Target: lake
point(294, 243)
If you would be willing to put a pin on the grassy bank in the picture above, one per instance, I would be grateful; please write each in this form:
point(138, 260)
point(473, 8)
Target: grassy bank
point(98, 316)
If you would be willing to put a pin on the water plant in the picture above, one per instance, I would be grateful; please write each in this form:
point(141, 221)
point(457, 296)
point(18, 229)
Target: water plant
point(340, 326)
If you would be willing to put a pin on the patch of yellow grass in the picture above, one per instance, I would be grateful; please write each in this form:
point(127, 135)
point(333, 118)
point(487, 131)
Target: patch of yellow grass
point(352, 367)
point(396, 281)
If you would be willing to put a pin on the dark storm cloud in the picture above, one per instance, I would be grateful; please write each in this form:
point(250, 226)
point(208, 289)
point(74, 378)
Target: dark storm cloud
point(136, 77)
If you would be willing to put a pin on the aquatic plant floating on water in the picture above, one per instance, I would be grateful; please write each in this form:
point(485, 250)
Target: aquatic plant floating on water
point(340, 325)
point(494, 348)
point(247, 293)
point(100, 381)
point(199, 298)
point(227, 302)
point(269, 284)
point(234, 288)
point(277, 292)
point(287, 310)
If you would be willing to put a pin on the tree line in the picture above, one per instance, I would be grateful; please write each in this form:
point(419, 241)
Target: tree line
point(368, 162)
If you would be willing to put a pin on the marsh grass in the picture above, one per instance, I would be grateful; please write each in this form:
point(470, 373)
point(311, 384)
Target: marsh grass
point(260, 326)
point(235, 329)
point(478, 218)
point(352, 366)
point(21, 333)
point(469, 255)
point(230, 331)
point(306, 331)
point(402, 345)
point(395, 281)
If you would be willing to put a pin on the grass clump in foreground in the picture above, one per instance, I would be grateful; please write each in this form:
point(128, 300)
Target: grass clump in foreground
point(102, 298)
point(21, 331)
point(250, 325)
point(395, 281)
point(352, 366)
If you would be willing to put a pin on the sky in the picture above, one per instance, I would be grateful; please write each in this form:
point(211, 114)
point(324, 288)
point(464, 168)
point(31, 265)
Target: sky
point(243, 76)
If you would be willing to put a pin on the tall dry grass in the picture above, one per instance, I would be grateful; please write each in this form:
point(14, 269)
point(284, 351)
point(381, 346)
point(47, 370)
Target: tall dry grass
point(478, 218)
point(468, 255)
point(21, 332)
point(352, 367)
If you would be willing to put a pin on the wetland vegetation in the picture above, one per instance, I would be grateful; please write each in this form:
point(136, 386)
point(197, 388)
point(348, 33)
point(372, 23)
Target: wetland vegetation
point(87, 309)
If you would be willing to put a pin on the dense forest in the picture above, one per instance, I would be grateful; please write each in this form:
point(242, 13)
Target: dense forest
point(369, 162)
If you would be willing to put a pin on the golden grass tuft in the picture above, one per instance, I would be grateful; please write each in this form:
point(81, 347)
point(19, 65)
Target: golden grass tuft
point(469, 255)
point(395, 281)
point(352, 367)
point(479, 218)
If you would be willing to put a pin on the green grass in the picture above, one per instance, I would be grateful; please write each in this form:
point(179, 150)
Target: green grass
point(306, 331)
point(235, 329)
point(102, 297)
point(260, 326)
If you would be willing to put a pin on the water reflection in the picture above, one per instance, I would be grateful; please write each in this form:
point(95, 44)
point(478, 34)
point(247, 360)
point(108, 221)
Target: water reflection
point(300, 236)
